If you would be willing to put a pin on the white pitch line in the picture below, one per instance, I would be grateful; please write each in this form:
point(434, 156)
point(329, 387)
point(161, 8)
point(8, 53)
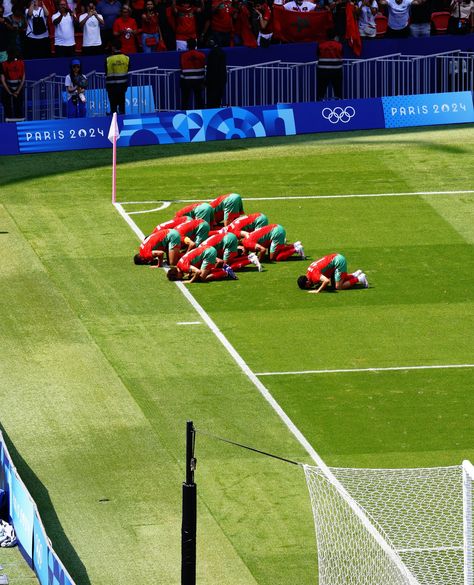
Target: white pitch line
point(189, 323)
point(238, 359)
point(164, 205)
point(352, 370)
point(290, 198)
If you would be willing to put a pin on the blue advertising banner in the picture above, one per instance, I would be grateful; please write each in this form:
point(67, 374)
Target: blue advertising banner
point(428, 110)
point(22, 514)
point(137, 99)
point(57, 574)
point(52, 135)
point(40, 551)
point(339, 116)
point(212, 124)
point(6, 466)
point(252, 122)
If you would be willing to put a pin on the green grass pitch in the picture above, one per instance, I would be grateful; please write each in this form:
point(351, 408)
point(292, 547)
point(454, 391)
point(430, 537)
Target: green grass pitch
point(98, 378)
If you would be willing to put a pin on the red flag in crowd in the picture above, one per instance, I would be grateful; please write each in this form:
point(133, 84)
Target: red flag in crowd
point(300, 27)
point(352, 30)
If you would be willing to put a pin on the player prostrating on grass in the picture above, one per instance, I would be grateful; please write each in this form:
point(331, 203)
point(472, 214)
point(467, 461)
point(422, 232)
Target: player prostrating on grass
point(272, 237)
point(320, 272)
point(245, 224)
point(198, 211)
point(193, 233)
point(227, 246)
point(154, 247)
point(227, 208)
point(200, 265)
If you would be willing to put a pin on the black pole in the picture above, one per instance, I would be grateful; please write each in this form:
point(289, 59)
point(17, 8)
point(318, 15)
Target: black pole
point(189, 518)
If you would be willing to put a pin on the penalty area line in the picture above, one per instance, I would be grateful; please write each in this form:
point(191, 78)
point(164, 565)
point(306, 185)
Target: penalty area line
point(356, 370)
point(167, 203)
point(236, 357)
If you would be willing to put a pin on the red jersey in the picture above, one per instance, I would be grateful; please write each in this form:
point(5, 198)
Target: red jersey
point(127, 38)
point(150, 24)
point(201, 256)
point(246, 223)
point(319, 267)
point(186, 228)
point(330, 55)
point(261, 232)
point(171, 223)
point(153, 242)
point(187, 209)
point(221, 19)
point(185, 21)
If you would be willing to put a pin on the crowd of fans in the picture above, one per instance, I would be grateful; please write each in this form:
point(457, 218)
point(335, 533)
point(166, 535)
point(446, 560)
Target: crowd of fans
point(41, 28)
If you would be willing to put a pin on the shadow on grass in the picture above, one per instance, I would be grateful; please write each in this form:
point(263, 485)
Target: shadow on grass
point(51, 522)
point(24, 167)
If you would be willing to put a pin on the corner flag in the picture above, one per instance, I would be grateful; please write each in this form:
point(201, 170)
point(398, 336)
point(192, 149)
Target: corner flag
point(113, 136)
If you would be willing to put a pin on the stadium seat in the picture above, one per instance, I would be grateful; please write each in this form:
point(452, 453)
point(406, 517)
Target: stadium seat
point(381, 25)
point(439, 22)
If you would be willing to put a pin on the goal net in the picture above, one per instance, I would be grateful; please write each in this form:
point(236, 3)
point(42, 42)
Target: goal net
point(393, 526)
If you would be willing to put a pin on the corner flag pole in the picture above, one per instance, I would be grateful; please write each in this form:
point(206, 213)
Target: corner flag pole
point(189, 518)
point(113, 137)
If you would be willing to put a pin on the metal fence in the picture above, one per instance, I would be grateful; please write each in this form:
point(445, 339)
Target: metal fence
point(266, 83)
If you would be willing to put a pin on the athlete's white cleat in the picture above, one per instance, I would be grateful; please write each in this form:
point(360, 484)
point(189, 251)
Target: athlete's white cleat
point(357, 273)
point(363, 280)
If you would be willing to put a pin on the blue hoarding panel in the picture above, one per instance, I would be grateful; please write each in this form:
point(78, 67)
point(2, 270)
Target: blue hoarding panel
point(8, 141)
point(339, 116)
point(52, 135)
point(40, 551)
point(57, 574)
point(428, 109)
point(22, 513)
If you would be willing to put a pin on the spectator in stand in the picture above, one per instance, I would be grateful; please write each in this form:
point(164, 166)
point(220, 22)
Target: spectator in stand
point(16, 24)
point(137, 8)
point(125, 29)
point(420, 19)
point(461, 19)
point(91, 23)
point(168, 36)
point(4, 36)
point(243, 33)
point(116, 78)
point(398, 16)
point(151, 33)
point(261, 23)
point(110, 11)
point(64, 21)
point(37, 43)
point(185, 23)
point(76, 83)
point(12, 78)
point(193, 72)
point(366, 11)
point(338, 9)
point(8, 6)
point(300, 6)
point(219, 22)
point(329, 68)
point(216, 75)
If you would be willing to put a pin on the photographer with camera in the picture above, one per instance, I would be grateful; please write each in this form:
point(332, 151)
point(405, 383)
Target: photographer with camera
point(76, 84)
point(37, 36)
point(91, 22)
point(64, 21)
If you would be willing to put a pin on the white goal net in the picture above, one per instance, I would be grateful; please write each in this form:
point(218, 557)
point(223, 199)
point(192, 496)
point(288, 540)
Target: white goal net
point(393, 526)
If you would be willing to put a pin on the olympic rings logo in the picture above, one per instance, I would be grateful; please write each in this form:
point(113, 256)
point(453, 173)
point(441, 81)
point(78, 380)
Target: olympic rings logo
point(338, 114)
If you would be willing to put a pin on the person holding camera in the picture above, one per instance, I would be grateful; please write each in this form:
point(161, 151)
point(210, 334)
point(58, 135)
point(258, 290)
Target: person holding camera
point(91, 22)
point(125, 29)
point(37, 36)
point(76, 84)
point(64, 21)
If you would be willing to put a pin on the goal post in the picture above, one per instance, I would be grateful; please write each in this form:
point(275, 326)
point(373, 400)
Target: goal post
point(467, 479)
point(393, 526)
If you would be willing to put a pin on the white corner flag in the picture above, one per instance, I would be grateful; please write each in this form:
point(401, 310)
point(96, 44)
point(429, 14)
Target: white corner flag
point(113, 136)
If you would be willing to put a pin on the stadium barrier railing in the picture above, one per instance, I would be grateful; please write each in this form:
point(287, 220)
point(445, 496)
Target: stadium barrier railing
point(33, 542)
point(157, 90)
